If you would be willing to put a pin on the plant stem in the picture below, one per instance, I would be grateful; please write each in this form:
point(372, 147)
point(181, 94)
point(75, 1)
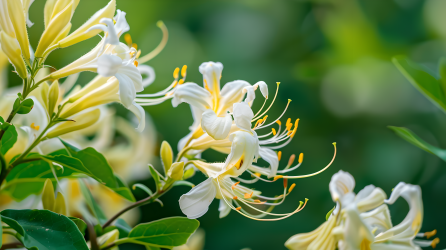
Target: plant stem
point(92, 234)
point(136, 204)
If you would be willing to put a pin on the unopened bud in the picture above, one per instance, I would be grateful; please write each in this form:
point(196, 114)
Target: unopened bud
point(48, 198)
point(44, 90)
point(176, 171)
point(18, 20)
point(60, 206)
point(81, 121)
point(189, 173)
point(166, 155)
point(53, 96)
point(81, 33)
point(12, 50)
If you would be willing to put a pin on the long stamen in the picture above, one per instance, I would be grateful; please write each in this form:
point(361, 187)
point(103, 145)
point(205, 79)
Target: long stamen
point(263, 105)
point(278, 119)
point(257, 117)
point(318, 172)
point(160, 46)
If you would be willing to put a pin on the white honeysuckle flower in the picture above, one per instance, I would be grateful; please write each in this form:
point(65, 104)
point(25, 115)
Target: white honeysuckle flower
point(363, 221)
point(112, 30)
point(214, 103)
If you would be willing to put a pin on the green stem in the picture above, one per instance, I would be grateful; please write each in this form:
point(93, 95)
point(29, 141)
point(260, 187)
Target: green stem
point(142, 202)
point(116, 243)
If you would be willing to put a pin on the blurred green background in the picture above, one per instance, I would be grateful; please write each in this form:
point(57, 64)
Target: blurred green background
point(332, 58)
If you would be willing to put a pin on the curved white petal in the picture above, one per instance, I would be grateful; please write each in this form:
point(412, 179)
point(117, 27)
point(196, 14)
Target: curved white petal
point(108, 65)
point(127, 92)
point(369, 198)
point(224, 209)
point(192, 94)
point(211, 72)
point(250, 94)
point(357, 234)
point(112, 35)
point(140, 115)
point(217, 127)
point(195, 203)
point(341, 184)
point(244, 150)
point(243, 115)
point(231, 93)
point(263, 88)
point(271, 157)
point(149, 72)
point(121, 25)
point(133, 73)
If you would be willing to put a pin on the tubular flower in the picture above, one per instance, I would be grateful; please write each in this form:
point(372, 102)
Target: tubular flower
point(244, 150)
point(363, 221)
point(210, 104)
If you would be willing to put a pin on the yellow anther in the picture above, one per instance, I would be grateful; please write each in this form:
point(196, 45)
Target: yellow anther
point(175, 83)
point(248, 195)
point(291, 187)
point(183, 71)
point(435, 242)
point(430, 234)
point(234, 185)
point(132, 53)
point(260, 202)
point(277, 177)
point(176, 72)
point(301, 157)
point(296, 123)
point(279, 155)
point(279, 122)
point(134, 45)
point(289, 133)
point(285, 183)
point(274, 131)
point(34, 126)
point(239, 164)
point(238, 208)
point(258, 174)
point(257, 123)
point(235, 198)
point(288, 121)
point(128, 39)
point(138, 54)
point(114, 21)
point(291, 160)
point(264, 118)
point(181, 81)
point(135, 63)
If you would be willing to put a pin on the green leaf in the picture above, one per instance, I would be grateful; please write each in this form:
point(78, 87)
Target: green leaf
point(28, 178)
point(423, 81)
point(152, 248)
point(70, 162)
point(96, 163)
point(409, 136)
point(183, 183)
point(45, 230)
point(329, 213)
point(8, 140)
point(123, 227)
point(81, 225)
point(165, 233)
point(25, 107)
point(94, 207)
point(442, 70)
point(143, 187)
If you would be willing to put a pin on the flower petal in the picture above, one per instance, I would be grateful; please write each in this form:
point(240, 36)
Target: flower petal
point(121, 25)
point(133, 73)
point(224, 209)
point(127, 92)
point(217, 127)
point(263, 88)
point(140, 115)
point(341, 184)
point(108, 65)
point(231, 93)
point(211, 74)
point(243, 115)
point(192, 94)
point(244, 150)
point(149, 72)
point(271, 157)
point(195, 203)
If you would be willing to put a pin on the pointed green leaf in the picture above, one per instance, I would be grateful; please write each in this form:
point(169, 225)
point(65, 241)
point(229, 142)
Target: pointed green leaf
point(96, 163)
point(26, 106)
point(329, 213)
point(164, 233)
point(8, 140)
point(409, 136)
point(422, 80)
point(94, 207)
point(45, 230)
point(81, 225)
point(156, 177)
point(123, 227)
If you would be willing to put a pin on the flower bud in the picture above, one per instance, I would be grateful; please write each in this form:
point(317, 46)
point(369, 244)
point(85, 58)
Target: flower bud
point(80, 34)
point(18, 20)
point(166, 155)
point(60, 206)
point(48, 198)
point(81, 121)
point(189, 173)
point(12, 50)
point(176, 171)
point(56, 26)
point(44, 90)
point(53, 97)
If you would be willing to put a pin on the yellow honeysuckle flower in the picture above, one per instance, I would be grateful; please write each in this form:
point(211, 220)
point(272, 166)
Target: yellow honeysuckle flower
point(13, 22)
point(11, 48)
